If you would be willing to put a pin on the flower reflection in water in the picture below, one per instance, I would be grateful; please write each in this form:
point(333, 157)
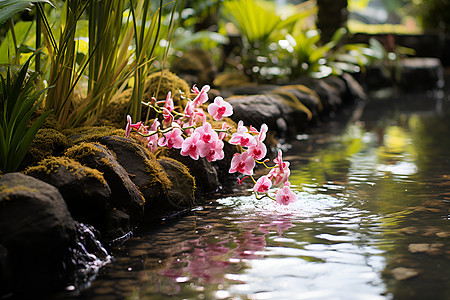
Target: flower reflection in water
point(213, 259)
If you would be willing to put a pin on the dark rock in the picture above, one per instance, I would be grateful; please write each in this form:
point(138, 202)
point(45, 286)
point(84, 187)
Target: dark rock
point(227, 179)
point(197, 65)
point(181, 194)
point(421, 74)
point(37, 230)
point(117, 224)
point(142, 167)
point(329, 95)
point(247, 89)
point(205, 174)
point(84, 189)
point(5, 273)
point(47, 142)
point(269, 109)
point(124, 193)
point(355, 92)
point(301, 98)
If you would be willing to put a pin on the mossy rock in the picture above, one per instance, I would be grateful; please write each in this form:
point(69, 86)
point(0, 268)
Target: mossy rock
point(144, 171)
point(84, 189)
point(197, 64)
point(115, 114)
point(92, 133)
point(206, 178)
point(125, 196)
point(47, 142)
point(183, 183)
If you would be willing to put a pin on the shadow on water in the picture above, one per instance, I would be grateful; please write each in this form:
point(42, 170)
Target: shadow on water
point(372, 222)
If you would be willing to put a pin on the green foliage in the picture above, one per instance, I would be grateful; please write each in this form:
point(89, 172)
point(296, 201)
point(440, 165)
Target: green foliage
point(9, 8)
point(319, 60)
point(18, 102)
point(262, 29)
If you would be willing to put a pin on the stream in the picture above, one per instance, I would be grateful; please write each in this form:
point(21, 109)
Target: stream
point(372, 221)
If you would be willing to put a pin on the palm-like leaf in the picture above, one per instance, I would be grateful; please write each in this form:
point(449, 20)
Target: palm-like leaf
point(9, 8)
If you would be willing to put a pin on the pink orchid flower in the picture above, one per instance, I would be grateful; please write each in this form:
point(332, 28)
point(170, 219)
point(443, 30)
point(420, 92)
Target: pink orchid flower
point(225, 126)
point(167, 116)
point(242, 137)
point(258, 151)
point(168, 104)
point(191, 146)
point(281, 173)
point(172, 139)
point(202, 95)
point(285, 195)
point(212, 151)
point(262, 185)
point(261, 134)
point(242, 163)
point(220, 108)
point(129, 126)
point(207, 134)
point(152, 139)
point(189, 110)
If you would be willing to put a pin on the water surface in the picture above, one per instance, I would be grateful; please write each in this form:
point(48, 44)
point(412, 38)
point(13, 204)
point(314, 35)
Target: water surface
point(372, 222)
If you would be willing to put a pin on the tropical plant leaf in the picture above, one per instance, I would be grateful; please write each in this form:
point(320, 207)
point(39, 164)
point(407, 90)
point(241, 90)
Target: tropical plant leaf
point(9, 8)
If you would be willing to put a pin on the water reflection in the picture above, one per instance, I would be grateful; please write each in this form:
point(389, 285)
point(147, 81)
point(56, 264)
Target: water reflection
point(371, 222)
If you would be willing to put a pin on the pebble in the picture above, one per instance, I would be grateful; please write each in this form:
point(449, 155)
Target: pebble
point(402, 273)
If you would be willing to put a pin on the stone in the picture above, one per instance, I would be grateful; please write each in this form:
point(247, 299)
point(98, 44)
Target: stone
point(301, 98)
point(430, 249)
point(5, 273)
point(142, 167)
point(269, 109)
point(329, 95)
point(205, 174)
point(421, 74)
point(84, 189)
point(125, 195)
point(402, 273)
point(47, 142)
point(196, 64)
point(37, 230)
point(181, 194)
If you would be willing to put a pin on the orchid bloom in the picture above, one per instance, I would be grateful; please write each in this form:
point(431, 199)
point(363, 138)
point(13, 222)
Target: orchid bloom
point(212, 151)
point(281, 173)
point(168, 117)
point(129, 126)
point(222, 134)
point(242, 137)
point(285, 195)
point(242, 163)
point(258, 151)
point(172, 139)
point(189, 110)
point(207, 134)
point(202, 95)
point(220, 108)
point(262, 185)
point(152, 139)
point(191, 145)
point(168, 104)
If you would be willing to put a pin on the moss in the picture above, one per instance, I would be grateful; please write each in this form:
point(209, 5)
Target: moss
point(47, 142)
point(116, 112)
point(291, 100)
point(12, 190)
point(92, 133)
point(52, 164)
point(183, 187)
point(82, 150)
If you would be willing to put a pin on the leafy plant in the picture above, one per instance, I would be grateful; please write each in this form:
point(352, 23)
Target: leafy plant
point(18, 101)
point(262, 28)
point(317, 60)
